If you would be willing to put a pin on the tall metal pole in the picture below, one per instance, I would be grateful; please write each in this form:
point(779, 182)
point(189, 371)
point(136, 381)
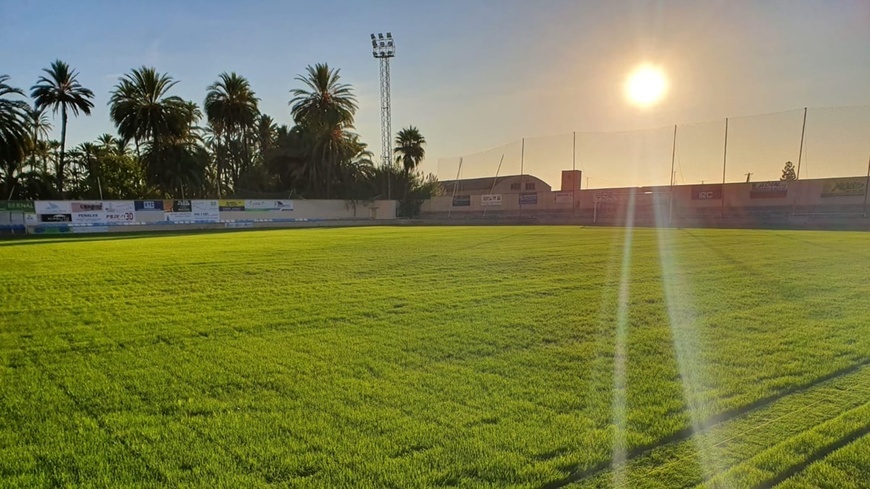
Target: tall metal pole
point(794, 198)
point(494, 181)
point(724, 163)
point(866, 187)
point(801, 152)
point(575, 184)
point(522, 173)
point(455, 185)
point(671, 189)
point(384, 48)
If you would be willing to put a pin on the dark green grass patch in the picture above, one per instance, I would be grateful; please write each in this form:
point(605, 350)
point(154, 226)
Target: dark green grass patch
point(423, 357)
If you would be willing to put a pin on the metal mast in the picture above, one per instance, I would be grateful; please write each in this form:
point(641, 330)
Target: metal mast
point(383, 49)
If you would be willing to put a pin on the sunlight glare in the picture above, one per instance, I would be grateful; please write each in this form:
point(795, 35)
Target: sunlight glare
point(646, 85)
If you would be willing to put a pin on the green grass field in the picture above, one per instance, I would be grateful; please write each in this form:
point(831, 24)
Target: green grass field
point(443, 356)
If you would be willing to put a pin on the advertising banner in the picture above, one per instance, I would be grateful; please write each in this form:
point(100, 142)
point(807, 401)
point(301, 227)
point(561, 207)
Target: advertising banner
point(89, 206)
point(706, 192)
point(148, 205)
point(119, 211)
point(178, 210)
point(231, 205)
point(55, 217)
point(205, 210)
point(845, 187)
point(52, 207)
point(92, 217)
point(461, 200)
point(268, 205)
point(31, 218)
point(529, 199)
point(490, 199)
point(563, 197)
point(16, 206)
point(768, 190)
point(177, 206)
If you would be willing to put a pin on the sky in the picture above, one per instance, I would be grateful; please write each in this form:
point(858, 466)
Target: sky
point(479, 74)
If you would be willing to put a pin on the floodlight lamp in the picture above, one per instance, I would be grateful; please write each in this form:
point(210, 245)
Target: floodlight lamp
point(373, 37)
point(380, 35)
point(389, 35)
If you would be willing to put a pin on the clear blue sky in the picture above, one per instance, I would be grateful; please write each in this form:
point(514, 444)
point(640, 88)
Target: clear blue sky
point(472, 74)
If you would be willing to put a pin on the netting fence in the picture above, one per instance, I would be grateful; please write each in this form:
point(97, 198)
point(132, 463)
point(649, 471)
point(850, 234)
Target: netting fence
point(819, 142)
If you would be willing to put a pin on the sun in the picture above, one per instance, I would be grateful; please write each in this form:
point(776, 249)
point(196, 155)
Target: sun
point(646, 85)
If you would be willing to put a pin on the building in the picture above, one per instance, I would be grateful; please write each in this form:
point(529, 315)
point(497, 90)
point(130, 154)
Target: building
point(509, 184)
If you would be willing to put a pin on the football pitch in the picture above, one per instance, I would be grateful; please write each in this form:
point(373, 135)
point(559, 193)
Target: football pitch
point(435, 357)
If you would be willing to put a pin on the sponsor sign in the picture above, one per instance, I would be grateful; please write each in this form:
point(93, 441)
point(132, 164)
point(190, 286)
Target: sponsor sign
point(205, 210)
point(148, 205)
point(86, 206)
point(461, 200)
point(490, 199)
point(178, 210)
point(93, 217)
point(16, 206)
point(529, 198)
point(844, 187)
point(55, 217)
point(119, 211)
point(52, 207)
point(31, 218)
point(563, 197)
point(706, 192)
point(177, 206)
point(238, 225)
point(768, 190)
point(231, 205)
point(268, 205)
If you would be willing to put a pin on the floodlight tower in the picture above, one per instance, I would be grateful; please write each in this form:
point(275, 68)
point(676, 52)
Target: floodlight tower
point(384, 49)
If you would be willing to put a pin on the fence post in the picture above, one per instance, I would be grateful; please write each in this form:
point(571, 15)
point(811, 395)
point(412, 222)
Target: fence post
point(671, 189)
point(574, 174)
point(494, 181)
point(866, 187)
point(801, 151)
point(522, 174)
point(455, 184)
point(724, 163)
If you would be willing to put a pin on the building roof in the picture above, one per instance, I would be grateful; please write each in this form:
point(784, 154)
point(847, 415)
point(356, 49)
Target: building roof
point(485, 183)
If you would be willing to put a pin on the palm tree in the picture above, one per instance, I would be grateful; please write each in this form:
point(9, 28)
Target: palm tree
point(144, 112)
point(61, 90)
point(324, 102)
point(142, 109)
point(324, 112)
point(409, 151)
point(14, 122)
point(231, 109)
point(266, 134)
point(409, 148)
point(41, 129)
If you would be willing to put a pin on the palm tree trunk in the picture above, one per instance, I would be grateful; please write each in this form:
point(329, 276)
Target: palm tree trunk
point(35, 144)
point(247, 151)
point(62, 150)
point(230, 167)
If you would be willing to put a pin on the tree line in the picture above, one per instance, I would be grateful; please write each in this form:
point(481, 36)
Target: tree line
point(166, 146)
